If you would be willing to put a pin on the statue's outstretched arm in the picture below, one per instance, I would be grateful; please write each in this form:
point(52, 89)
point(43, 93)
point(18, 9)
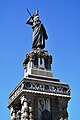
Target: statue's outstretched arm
point(28, 21)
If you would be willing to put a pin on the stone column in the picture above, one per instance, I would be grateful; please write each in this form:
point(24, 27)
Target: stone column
point(24, 109)
point(13, 114)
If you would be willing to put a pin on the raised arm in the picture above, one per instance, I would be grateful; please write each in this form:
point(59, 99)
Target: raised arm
point(29, 22)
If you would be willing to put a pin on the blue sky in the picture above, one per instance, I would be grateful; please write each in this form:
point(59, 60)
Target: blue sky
point(61, 19)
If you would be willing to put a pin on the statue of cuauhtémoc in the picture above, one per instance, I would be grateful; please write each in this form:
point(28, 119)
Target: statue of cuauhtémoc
point(39, 33)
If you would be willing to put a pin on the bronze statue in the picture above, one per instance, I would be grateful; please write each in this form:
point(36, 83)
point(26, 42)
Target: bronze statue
point(39, 33)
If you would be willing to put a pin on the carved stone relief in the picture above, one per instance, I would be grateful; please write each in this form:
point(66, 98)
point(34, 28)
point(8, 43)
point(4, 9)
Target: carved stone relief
point(43, 109)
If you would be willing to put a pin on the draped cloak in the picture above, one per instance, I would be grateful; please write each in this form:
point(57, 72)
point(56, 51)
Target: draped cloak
point(39, 36)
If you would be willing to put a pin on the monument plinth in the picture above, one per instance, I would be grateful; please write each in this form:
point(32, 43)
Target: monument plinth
point(38, 62)
point(39, 96)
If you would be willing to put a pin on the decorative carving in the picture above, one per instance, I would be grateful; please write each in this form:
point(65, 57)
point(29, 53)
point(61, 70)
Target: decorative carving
point(24, 110)
point(43, 109)
point(54, 88)
point(18, 115)
point(31, 117)
point(11, 98)
point(41, 63)
point(49, 88)
point(27, 108)
point(34, 57)
point(13, 114)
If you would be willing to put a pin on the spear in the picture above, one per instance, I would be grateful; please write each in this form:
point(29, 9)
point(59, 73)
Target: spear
point(29, 12)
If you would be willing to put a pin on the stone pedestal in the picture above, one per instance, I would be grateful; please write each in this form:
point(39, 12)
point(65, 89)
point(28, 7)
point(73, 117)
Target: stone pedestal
point(39, 96)
point(38, 62)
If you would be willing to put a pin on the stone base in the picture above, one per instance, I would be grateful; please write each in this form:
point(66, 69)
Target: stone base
point(38, 72)
point(36, 96)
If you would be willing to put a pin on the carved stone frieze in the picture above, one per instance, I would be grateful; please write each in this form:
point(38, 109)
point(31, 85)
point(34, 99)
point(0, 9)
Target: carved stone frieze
point(40, 87)
point(48, 88)
point(16, 92)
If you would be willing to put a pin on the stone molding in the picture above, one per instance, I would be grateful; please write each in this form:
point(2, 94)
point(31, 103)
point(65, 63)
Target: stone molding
point(44, 87)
